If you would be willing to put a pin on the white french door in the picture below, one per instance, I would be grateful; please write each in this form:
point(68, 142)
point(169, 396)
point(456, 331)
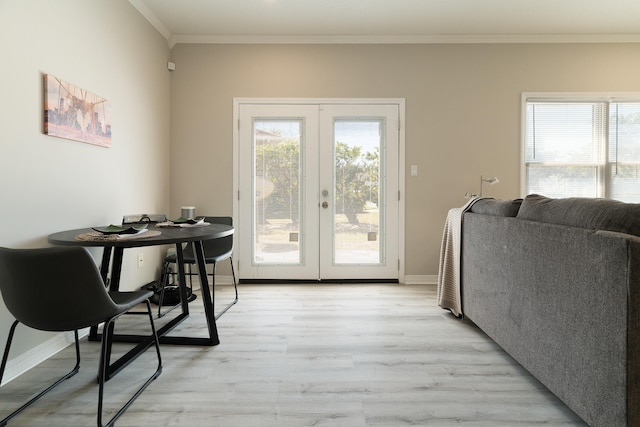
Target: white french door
point(318, 191)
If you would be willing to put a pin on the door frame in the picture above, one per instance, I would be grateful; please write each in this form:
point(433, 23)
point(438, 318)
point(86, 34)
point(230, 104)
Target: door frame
point(399, 102)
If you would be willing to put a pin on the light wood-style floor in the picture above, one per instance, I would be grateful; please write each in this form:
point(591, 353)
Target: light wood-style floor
point(309, 355)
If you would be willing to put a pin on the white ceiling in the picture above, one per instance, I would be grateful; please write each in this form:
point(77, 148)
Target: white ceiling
point(393, 21)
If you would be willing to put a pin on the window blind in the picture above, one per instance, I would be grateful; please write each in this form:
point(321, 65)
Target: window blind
point(565, 132)
point(624, 151)
point(583, 147)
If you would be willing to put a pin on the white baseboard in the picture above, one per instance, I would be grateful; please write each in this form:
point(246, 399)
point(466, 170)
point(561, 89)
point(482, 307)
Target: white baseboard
point(31, 358)
point(420, 279)
point(426, 279)
point(408, 280)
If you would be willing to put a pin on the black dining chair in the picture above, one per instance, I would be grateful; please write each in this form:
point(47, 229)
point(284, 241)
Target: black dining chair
point(215, 250)
point(71, 298)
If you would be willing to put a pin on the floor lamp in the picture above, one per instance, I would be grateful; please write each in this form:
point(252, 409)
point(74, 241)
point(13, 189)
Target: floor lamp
point(491, 181)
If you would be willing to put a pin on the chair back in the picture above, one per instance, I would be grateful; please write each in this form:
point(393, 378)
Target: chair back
point(54, 289)
point(217, 249)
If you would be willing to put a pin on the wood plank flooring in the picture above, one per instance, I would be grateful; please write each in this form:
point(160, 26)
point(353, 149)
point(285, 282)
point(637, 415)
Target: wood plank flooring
point(308, 355)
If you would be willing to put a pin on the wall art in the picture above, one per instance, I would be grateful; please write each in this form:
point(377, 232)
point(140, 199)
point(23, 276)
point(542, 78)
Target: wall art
point(74, 113)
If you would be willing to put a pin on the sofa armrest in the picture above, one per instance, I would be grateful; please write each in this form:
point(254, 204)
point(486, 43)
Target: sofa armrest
point(497, 207)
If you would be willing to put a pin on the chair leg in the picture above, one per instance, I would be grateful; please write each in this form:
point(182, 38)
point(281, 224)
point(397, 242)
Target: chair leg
point(163, 286)
point(235, 286)
point(235, 283)
point(163, 282)
point(103, 368)
point(5, 357)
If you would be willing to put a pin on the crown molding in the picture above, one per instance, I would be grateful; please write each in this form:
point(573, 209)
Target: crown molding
point(152, 18)
point(418, 39)
point(173, 39)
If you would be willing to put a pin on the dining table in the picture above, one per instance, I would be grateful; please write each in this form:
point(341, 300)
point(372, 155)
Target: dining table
point(153, 235)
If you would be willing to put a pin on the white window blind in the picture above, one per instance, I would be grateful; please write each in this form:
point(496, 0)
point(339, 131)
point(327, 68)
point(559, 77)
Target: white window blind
point(586, 148)
point(564, 149)
point(624, 151)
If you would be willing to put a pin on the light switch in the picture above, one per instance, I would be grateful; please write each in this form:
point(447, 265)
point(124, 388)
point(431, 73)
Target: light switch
point(414, 170)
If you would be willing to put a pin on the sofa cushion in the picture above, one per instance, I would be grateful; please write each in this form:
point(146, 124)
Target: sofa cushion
point(496, 207)
point(590, 213)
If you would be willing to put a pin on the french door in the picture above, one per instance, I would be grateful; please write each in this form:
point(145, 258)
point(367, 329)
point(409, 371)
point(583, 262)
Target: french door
point(318, 191)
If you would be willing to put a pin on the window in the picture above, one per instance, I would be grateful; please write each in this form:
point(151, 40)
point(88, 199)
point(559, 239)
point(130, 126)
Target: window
point(582, 147)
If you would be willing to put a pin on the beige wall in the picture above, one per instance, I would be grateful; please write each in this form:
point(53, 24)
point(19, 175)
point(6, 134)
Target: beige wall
point(462, 112)
point(50, 184)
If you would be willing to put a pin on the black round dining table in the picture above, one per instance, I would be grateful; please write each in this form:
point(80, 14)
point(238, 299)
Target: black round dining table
point(112, 256)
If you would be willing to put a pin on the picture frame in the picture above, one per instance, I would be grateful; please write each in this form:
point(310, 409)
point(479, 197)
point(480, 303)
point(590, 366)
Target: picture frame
point(74, 113)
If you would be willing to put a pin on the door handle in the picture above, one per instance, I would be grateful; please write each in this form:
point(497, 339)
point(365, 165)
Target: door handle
point(325, 205)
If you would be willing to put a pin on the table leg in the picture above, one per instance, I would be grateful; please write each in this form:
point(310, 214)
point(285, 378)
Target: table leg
point(104, 268)
point(116, 269)
point(182, 280)
point(144, 342)
point(208, 297)
point(207, 301)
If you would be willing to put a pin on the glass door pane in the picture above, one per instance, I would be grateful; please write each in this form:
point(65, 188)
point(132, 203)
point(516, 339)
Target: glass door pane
point(357, 191)
point(277, 197)
point(277, 227)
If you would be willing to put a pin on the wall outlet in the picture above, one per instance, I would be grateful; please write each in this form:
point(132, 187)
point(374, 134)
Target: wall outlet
point(140, 260)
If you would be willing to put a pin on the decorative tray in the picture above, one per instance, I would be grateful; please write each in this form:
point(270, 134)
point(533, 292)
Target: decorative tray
point(116, 229)
point(196, 220)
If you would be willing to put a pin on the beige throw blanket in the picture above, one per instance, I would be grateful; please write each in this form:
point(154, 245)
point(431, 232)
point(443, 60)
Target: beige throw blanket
point(449, 295)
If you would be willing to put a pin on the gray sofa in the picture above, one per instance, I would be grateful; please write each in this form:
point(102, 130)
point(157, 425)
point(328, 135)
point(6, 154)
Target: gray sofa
point(556, 283)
